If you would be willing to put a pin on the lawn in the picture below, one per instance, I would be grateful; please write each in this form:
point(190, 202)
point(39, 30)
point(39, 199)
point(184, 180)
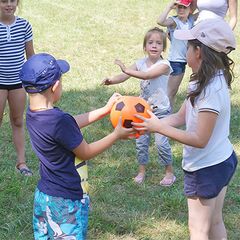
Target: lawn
point(90, 35)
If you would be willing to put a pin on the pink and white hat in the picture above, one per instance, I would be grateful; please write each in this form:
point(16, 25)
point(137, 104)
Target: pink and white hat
point(185, 3)
point(214, 33)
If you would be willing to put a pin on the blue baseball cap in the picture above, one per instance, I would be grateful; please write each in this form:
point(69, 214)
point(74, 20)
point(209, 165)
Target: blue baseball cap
point(41, 71)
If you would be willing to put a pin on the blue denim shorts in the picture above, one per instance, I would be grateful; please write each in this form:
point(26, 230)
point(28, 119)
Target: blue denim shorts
point(178, 68)
point(208, 182)
point(59, 218)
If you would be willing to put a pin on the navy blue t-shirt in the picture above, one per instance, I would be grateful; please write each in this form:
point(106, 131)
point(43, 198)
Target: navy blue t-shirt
point(54, 134)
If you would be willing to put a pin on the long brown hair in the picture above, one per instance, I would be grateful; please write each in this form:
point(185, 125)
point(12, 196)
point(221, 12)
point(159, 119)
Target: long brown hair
point(212, 62)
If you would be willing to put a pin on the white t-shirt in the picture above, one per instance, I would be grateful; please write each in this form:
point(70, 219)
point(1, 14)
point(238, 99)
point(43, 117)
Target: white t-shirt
point(215, 99)
point(155, 90)
point(211, 9)
point(219, 7)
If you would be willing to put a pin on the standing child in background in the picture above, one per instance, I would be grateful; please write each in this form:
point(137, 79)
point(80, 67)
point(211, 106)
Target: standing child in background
point(209, 161)
point(153, 71)
point(178, 48)
point(15, 40)
point(60, 209)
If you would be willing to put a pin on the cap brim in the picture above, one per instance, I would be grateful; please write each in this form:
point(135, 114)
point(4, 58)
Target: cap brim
point(185, 5)
point(64, 65)
point(183, 35)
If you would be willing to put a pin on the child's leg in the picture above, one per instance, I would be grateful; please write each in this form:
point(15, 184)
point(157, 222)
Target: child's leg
point(3, 100)
point(205, 214)
point(174, 82)
point(165, 158)
point(200, 214)
point(16, 100)
point(141, 174)
point(142, 145)
point(217, 229)
point(169, 170)
point(58, 218)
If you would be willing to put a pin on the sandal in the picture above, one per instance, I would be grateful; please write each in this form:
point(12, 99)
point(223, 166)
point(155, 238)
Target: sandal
point(25, 171)
point(167, 182)
point(139, 179)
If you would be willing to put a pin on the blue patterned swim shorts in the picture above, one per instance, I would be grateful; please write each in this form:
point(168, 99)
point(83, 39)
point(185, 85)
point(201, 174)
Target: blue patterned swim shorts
point(59, 218)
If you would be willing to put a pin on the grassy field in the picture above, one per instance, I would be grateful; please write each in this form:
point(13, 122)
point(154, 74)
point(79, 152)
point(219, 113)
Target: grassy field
point(90, 35)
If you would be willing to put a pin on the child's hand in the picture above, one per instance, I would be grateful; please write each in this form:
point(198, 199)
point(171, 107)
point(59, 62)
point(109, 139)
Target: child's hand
point(106, 81)
point(122, 132)
point(174, 4)
point(149, 124)
point(112, 100)
point(120, 64)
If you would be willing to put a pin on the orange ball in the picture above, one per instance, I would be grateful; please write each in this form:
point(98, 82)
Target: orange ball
point(126, 107)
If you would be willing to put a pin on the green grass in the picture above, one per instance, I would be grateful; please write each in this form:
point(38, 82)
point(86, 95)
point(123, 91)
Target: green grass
point(90, 35)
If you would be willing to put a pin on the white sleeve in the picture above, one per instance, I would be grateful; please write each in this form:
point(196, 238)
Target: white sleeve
point(139, 63)
point(166, 62)
point(210, 101)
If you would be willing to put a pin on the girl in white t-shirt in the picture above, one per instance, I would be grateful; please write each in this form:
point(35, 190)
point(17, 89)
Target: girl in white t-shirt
point(153, 71)
point(209, 161)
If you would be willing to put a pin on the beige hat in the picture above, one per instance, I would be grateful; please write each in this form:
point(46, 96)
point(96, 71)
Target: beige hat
point(214, 33)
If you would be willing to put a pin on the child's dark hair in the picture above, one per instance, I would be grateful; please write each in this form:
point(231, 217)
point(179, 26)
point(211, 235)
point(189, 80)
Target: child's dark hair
point(155, 30)
point(212, 62)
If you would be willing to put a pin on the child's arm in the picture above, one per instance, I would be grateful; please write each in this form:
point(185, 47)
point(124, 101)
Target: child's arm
point(166, 126)
point(29, 49)
point(87, 151)
point(195, 16)
point(232, 5)
point(118, 78)
point(158, 70)
point(90, 117)
point(174, 120)
point(193, 6)
point(177, 119)
point(163, 20)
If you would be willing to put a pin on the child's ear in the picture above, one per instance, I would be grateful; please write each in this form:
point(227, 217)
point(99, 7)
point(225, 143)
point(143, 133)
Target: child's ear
point(55, 86)
point(198, 52)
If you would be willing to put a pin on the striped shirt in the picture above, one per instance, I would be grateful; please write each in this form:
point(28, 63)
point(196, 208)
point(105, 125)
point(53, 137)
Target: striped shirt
point(12, 49)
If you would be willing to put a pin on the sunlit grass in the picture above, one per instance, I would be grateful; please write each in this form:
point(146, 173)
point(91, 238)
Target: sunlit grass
point(90, 35)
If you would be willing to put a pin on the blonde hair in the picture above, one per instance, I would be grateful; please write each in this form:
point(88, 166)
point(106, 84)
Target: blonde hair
point(155, 30)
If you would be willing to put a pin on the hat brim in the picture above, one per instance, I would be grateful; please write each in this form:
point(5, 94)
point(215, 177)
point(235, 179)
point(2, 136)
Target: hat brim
point(185, 5)
point(183, 35)
point(64, 65)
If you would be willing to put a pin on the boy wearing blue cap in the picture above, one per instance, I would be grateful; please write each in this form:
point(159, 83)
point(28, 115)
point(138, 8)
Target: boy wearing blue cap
point(60, 210)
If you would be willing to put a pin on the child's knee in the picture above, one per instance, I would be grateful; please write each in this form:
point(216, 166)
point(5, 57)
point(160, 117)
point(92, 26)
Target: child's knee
point(196, 228)
point(17, 122)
